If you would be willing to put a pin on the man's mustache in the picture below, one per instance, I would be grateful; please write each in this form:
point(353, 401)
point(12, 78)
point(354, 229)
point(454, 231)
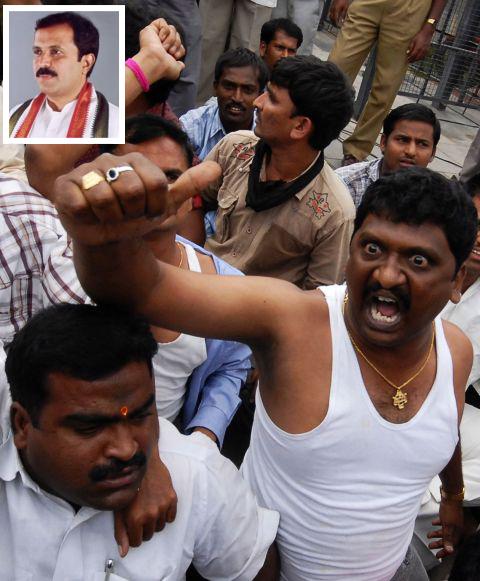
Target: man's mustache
point(46, 71)
point(115, 468)
point(400, 294)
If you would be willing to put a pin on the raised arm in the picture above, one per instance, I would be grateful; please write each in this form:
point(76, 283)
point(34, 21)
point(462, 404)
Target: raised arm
point(114, 264)
point(159, 57)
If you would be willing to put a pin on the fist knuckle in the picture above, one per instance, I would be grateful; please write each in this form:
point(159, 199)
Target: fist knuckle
point(102, 201)
point(132, 192)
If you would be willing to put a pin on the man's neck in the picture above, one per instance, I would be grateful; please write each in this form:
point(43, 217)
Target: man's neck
point(231, 127)
point(287, 163)
point(58, 103)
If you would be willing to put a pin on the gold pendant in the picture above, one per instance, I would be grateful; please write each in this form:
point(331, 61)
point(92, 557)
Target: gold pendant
point(400, 399)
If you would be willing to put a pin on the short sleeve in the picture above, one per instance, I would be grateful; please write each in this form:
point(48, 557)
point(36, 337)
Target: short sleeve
point(234, 533)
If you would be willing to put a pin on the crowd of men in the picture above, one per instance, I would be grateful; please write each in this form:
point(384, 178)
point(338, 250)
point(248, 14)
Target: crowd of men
point(221, 358)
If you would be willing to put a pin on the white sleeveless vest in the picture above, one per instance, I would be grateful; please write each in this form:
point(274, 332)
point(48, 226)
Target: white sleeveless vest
point(349, 490)
point(174, 362)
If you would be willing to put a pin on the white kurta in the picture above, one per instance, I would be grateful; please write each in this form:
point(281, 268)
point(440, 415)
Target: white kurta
point(218, 523)
point(50, 123)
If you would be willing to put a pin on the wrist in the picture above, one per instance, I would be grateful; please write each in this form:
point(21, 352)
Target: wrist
point(448, 496)
point(430, 25)
point(150, 64)
point(206, 432)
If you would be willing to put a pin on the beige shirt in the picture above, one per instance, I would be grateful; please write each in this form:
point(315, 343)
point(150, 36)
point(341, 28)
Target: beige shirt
point(305, 240)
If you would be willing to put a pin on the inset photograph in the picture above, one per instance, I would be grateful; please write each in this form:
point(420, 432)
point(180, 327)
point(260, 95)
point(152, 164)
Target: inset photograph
point(64, 74)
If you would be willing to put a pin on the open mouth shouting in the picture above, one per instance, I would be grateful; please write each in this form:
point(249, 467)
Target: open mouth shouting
point(385, 308)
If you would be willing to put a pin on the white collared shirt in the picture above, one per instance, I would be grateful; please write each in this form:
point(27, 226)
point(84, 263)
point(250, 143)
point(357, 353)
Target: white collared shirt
point(218, 523)
point(466, 315)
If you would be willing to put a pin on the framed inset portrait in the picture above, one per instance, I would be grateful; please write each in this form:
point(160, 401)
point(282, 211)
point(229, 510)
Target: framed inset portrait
point(64, 74)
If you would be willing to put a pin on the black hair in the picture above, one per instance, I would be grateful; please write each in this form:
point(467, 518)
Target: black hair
point(466, 566)
point(144, 127)
point(418, 195)
point(412, 112)
point(267, 34)
point(83, 341)
point(137, 17)
point(85, 33)
point(242, 57)
point(320, 91)
point(472, 185)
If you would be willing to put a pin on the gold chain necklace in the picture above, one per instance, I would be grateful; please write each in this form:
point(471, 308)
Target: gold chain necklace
point(400, 399)
point(181, 254)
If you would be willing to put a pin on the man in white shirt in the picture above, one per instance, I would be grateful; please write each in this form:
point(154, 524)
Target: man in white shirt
point(84, 426)
point(65, 49)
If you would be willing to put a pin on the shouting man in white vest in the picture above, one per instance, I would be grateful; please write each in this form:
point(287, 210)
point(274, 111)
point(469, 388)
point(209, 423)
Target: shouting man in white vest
point(362, 386)
point(65, 49)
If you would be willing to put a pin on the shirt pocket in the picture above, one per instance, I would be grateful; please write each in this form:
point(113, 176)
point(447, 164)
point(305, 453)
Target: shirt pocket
point(227, 203)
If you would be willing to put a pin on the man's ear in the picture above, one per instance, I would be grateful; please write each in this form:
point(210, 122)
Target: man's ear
point(383, 142)
point(88, 60)
point(302, 128)
point(21, 423)
point(457, 284)
point(434, 151)
point(262, 49)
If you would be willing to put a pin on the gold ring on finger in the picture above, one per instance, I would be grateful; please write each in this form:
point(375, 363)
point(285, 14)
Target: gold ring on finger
point(91, 179)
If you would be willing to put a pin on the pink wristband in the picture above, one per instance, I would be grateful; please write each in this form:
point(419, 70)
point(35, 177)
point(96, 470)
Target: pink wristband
point(139, 74)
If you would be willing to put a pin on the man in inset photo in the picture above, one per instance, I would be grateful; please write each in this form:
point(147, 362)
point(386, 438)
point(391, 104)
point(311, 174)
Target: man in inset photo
point(65, 50)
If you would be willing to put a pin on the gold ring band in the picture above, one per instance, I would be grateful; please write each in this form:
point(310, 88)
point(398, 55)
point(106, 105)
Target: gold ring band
point(91, 179)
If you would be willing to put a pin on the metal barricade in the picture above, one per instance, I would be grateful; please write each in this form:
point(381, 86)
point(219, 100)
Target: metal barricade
point(450, 73)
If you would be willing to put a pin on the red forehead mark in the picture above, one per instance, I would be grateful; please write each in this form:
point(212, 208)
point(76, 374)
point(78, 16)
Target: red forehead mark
point(123, 410)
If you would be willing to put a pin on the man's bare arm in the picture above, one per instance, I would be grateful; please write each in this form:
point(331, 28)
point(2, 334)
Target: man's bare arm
point(450, 517)
point(271, 568)
point(115, 265)
point(422, 40)
point(338, 11)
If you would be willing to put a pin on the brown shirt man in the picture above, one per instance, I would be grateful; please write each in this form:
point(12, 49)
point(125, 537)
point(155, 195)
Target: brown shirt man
point(304, 240)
